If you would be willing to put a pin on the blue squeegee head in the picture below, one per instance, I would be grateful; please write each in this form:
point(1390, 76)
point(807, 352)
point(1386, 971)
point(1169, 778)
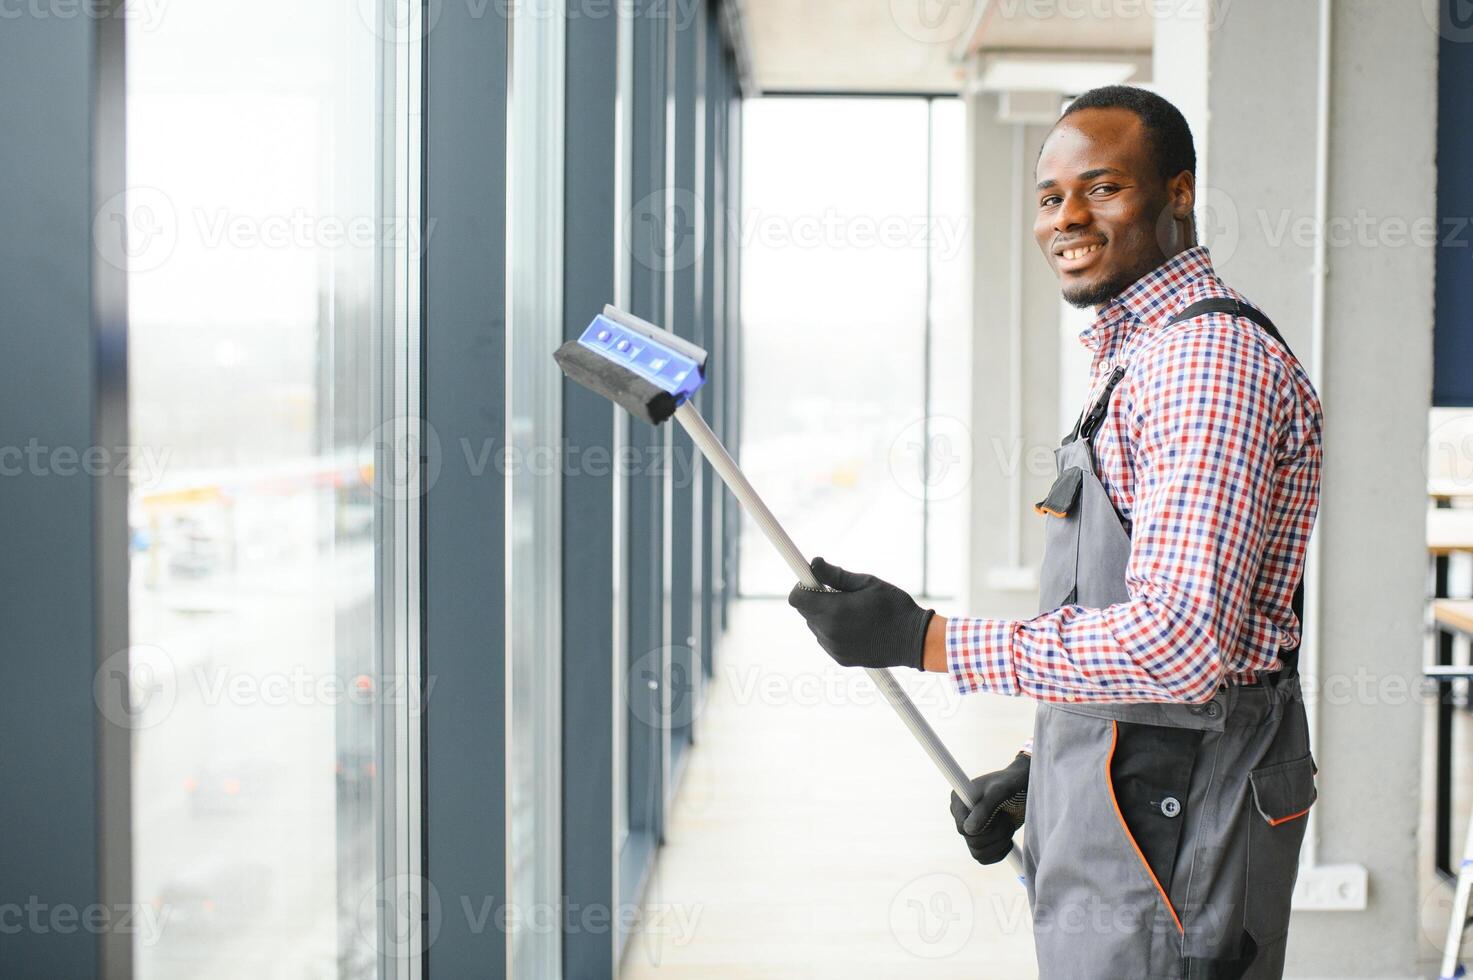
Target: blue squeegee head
point(636, 365)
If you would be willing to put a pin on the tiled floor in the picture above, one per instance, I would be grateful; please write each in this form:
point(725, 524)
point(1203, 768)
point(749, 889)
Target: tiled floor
point(811, 837)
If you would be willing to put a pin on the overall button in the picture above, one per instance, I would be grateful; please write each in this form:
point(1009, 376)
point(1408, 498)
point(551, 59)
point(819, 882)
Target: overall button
point(1213, 709)
point(1170, 806)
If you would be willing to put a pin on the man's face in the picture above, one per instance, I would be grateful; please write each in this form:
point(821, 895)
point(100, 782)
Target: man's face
point(1105, 214)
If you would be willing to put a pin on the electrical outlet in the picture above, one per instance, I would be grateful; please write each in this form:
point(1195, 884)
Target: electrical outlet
point(1331, 888)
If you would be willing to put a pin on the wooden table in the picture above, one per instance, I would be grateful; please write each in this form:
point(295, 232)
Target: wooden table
point(1455, 614)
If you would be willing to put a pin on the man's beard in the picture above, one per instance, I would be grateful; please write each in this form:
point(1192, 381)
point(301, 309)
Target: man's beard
point(1098, 293)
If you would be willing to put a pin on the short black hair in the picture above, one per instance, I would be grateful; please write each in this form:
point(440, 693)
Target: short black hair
point(1166, 127)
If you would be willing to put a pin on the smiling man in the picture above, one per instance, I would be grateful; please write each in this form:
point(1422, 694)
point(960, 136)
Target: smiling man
point(1169, 773)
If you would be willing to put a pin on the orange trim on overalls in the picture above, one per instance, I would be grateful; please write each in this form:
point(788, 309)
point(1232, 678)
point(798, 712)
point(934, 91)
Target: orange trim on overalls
point(1293, 816)
point(1110, 785)
point(1047, 512)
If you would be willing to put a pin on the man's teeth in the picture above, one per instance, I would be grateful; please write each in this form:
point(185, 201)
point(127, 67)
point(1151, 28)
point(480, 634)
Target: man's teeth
point(1074, 253)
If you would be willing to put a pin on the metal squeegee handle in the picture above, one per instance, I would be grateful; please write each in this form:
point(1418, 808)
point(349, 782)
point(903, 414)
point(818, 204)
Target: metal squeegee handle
point(726, 467)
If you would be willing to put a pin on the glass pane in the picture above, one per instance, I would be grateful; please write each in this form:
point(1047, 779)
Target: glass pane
point(253, 158)
point(833, 299)
point(947, 463)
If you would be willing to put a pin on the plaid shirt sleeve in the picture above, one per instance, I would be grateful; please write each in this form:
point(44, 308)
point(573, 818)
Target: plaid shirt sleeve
point(1226, 456)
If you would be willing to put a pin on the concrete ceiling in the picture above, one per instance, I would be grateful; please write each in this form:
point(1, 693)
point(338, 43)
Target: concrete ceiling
point(914, 45)
point(854, 45)
point(1064, 26)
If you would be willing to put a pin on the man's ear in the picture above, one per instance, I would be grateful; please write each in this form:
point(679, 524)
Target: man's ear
point(1181, 190)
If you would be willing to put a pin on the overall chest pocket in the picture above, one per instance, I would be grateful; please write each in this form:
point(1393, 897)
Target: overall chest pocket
point(1060, 510)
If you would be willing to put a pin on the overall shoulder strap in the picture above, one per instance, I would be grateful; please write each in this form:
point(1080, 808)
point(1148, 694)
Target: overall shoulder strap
point(1089, 421)
point(1226, 304)
point(1290, 657)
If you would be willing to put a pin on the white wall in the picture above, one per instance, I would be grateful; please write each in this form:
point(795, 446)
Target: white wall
point(1178, 68)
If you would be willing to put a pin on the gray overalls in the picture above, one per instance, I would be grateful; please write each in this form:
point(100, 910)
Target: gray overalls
point(1162, 840)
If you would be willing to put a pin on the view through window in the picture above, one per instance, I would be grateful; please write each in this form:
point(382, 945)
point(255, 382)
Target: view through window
point(855, 335)
point(254, 189)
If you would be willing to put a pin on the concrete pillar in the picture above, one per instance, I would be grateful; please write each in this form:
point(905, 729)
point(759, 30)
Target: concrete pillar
point(1015, 365)
point(1373, 371)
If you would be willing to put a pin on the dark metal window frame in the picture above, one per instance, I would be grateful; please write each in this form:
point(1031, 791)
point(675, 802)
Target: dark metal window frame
point(63, 384)
point(463, 534)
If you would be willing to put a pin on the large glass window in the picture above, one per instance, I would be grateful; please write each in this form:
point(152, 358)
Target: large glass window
point(855, 339)
point(261, 206)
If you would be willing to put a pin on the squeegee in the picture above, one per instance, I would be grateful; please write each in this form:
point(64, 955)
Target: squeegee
point(652, 374)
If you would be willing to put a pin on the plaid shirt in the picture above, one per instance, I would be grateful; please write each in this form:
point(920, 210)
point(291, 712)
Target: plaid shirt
point(1211, 451)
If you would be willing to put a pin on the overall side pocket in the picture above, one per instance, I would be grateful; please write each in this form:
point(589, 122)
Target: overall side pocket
point(1282, 795)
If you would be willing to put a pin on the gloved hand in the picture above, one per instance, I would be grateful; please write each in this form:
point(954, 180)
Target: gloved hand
point(1002, 798)
point(867, 623)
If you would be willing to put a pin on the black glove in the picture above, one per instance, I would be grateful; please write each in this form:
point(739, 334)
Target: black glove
point(867, 623)
point(1001, 797)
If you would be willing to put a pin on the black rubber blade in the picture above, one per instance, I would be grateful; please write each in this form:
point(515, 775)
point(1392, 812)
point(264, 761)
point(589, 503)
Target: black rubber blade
point(639, 397)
